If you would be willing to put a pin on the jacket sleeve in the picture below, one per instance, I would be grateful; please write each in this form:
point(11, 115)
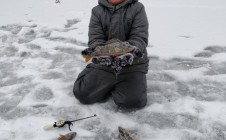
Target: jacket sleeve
point(138, 35)
point(96, 33)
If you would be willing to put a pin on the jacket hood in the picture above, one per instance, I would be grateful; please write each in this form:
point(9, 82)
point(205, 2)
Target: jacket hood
point(108, 5)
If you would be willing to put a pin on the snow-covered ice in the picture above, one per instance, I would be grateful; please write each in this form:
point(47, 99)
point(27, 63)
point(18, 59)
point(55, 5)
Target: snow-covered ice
point(40, 45)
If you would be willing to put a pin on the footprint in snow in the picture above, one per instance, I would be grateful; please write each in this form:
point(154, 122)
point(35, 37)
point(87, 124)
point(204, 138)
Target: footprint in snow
point(71, 22)
point(43, 94)
point(210, 51)
point(13, 28)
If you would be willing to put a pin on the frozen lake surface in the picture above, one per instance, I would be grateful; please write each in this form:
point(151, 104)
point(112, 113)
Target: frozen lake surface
point(40, 45)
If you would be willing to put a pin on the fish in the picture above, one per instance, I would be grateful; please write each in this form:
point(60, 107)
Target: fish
point(68, 136)
point(113, 48)
point(124, 134)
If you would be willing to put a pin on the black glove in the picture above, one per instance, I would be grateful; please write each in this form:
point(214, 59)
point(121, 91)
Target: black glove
point(125, 59)
point(88, 51)
point(137, 52)
point(122, 60)
point(102, 60)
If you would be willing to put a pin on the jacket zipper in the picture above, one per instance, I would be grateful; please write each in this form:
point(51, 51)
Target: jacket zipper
point(111, 13)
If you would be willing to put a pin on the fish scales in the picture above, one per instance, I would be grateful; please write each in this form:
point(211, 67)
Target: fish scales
point(113, 47)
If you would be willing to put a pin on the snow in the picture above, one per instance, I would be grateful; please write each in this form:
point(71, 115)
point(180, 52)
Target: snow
point(40, 45)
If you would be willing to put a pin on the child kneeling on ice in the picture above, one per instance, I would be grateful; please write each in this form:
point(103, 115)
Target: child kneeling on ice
point(125, 20)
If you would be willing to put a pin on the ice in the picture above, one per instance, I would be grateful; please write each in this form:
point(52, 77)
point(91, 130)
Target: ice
point(40, 46)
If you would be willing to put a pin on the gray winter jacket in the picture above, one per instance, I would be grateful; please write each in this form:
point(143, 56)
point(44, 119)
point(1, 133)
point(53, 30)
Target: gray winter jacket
point(126, 21)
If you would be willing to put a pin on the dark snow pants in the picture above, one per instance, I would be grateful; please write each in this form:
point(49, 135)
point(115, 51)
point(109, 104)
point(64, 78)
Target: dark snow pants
point(128, 89)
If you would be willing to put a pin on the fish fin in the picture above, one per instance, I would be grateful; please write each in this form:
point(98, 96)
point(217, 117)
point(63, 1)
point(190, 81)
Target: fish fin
point(61, 137)
point(113, 41)
point(87, 58)
point(125, 134)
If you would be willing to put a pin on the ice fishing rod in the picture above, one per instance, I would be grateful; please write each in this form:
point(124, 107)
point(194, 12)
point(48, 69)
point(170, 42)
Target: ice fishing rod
point(62, 123)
